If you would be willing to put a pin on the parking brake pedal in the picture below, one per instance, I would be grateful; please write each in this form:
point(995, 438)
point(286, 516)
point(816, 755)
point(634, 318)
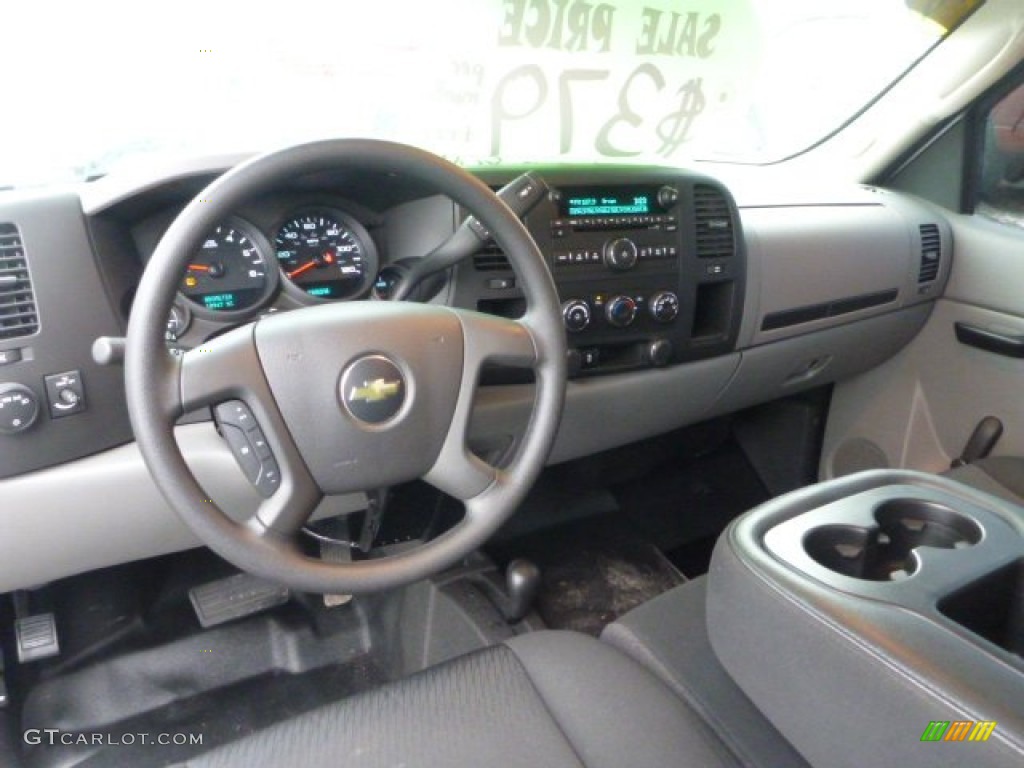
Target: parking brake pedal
point(234, 597)
point(36, 637)
point(981, 442)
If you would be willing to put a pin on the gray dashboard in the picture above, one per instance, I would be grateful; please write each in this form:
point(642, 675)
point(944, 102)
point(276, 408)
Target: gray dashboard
point(810, 288)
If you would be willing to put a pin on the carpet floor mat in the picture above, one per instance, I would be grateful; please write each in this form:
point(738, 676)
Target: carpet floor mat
point(593, 571)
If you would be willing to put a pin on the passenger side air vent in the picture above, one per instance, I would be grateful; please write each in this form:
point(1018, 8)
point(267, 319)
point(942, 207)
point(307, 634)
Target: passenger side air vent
point(491, 259)
point(18, 315)
point(931, 250)
point(715, 238)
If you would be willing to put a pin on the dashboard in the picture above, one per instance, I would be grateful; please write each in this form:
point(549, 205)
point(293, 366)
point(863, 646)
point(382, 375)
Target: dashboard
point(683, 298)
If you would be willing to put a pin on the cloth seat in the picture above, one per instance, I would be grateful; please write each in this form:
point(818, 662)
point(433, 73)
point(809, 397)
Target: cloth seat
point(669, 636)
point(547, 699)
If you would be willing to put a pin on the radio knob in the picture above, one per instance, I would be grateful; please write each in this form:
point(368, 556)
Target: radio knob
point(620, 311)
point(668, 196)
point(576, 315)
point(620, 254)
point(19, 408)
point(664, 306)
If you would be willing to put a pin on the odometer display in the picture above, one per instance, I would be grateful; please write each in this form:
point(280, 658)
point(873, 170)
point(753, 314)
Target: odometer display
point(326, 254)
point(230, 274)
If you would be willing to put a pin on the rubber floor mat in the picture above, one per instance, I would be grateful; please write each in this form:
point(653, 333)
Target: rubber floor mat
point(593, 571)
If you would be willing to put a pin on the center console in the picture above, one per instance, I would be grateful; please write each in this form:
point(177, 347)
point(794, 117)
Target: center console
point(649, 266)
point(871, 617)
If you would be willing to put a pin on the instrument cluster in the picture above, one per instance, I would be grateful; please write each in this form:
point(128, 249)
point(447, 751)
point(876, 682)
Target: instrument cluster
point(314, 254)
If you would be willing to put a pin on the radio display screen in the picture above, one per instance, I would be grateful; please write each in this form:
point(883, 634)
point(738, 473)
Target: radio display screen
point(609, 201)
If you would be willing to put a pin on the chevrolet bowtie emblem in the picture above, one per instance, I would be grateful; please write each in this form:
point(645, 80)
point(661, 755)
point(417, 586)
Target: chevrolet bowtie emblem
point(375, 391)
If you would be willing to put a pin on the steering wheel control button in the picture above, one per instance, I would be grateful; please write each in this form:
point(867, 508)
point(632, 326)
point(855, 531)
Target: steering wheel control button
point(373, 390)
point(259, 443)
point(236, 413)
point(244, 453)
point(65, 393)
point(269, 479)
point(249, 446)
point(19, 408)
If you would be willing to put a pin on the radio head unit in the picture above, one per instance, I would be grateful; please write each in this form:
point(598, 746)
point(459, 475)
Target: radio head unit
point(649, 265)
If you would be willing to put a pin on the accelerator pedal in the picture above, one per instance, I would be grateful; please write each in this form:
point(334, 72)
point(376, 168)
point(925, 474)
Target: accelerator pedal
point(235, 597)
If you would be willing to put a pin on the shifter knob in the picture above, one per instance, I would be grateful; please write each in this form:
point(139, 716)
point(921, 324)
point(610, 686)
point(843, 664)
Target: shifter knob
point(522, 582)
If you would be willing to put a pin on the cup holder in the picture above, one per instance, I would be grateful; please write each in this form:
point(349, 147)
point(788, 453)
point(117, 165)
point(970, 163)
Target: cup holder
point(885, 552)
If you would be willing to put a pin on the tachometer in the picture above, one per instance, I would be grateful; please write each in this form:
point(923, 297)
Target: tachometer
point(231, 275)
point(326, 254)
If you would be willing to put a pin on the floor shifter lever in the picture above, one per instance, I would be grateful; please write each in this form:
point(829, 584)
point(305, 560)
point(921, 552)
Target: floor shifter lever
point(522, 582)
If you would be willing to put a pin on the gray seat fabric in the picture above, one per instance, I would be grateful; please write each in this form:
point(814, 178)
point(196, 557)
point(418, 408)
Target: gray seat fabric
point(669, 636)
point(1002, 476)
point(547, 699)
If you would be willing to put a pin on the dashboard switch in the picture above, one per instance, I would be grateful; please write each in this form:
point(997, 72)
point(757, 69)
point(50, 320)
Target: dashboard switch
point(19, 408)
point(9, 356)
point(65, 393)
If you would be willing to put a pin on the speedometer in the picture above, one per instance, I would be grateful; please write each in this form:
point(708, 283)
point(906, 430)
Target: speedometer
point(232, 274)
point(326, 254)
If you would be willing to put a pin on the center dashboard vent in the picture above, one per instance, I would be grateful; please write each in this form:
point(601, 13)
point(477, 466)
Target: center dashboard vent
point(931, 253)
point(18, 316)
point(715, 236)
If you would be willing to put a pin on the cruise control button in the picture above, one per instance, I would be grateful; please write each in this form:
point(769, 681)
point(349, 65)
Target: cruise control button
point(244, 453)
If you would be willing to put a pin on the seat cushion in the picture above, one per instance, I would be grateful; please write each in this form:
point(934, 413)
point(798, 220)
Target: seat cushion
point(669, 636)
point(1002, 476)
point(545, 699)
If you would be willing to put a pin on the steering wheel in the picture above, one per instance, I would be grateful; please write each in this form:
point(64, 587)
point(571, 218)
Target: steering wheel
point(351, 396)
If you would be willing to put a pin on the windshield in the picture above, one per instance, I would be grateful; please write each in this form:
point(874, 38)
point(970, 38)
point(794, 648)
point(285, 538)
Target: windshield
point(92, 86)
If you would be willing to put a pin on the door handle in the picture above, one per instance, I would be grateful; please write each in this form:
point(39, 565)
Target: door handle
point(1005, 344)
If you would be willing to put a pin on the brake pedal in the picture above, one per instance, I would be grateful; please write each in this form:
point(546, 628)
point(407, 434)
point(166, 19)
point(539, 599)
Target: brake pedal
point(36, 637)
point(234, 598)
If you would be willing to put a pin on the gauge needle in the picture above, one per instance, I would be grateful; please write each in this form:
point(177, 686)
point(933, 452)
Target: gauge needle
point(198, 268)
point(304, 268)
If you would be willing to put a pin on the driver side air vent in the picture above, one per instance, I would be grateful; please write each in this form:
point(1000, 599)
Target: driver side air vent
point(18, 316)
point(714, 223)
point(931, 250)
point(491, 259)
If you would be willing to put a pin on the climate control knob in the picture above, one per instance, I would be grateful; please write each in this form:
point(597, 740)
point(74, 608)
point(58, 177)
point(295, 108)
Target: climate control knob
point(19, 408)
point(576, 315)
point(620, 311)
point(620, 254)
point(663, 306)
